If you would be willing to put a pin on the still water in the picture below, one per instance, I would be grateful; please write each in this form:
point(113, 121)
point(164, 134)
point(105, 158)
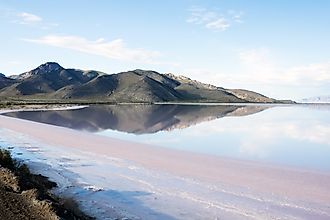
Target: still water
point(285, 135)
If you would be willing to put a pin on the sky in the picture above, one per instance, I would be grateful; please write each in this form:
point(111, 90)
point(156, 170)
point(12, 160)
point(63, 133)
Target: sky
point(278, 48)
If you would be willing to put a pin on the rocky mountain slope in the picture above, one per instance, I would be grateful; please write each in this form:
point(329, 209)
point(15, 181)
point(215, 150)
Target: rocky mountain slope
point(5, 82)
point(52, 81)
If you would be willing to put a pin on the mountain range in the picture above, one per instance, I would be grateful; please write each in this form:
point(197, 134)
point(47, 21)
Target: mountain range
point(50, 81)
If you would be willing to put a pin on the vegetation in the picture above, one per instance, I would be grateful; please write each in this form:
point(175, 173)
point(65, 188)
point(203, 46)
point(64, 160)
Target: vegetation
point(17, 183)
point(6, 160)
point(21, 170)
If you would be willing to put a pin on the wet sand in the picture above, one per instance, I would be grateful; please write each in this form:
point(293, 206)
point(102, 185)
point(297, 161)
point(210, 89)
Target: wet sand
point(307, 186)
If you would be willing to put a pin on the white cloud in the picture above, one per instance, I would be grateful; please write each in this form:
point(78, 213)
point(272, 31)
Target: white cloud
point(213, 20)
point(258, 65)
point(236, 15)
point(254, 56)
point(220, 24)
point(27, 18)
point(312, 74)
point(261, 67)
point(115, 49)
point(258, 70)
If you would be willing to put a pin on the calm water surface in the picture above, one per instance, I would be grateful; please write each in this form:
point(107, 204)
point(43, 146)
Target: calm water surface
point(295, 135)
point(110, 187)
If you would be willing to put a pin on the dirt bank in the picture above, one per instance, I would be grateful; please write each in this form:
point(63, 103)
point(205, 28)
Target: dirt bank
point(24, 195)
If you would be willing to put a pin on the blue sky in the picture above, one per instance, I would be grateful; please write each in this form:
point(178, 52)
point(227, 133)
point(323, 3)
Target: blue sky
point(278, 48)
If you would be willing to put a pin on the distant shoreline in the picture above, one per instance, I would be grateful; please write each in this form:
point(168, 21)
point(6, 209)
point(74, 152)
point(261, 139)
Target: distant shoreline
point(9, 102)
point(6, 106)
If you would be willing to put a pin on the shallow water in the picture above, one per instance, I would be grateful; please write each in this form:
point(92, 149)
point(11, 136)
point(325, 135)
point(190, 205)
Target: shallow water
point(285, 135)
point(110, 187)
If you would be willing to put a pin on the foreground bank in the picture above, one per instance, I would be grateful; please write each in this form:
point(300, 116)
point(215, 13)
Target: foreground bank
point(24, 195)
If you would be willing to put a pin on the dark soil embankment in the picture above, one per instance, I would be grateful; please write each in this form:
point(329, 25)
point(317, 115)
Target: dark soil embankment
point(24, 195)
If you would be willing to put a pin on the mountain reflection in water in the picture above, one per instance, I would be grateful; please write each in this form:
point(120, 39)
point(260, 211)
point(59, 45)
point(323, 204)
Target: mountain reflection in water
point(290, 135)
point(136, 119)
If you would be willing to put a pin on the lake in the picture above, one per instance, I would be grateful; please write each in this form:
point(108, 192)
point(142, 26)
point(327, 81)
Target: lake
point(264, 138)
point(286, 135)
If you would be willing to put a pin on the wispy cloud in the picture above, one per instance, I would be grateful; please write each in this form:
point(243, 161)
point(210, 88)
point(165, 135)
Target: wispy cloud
point(261, 67)
point(219, 24)
point(259, 70)
point(312, 74)
point(27, 18)
point(258, 62)
point(115, 49)
point(212, 19)
point(236, 16)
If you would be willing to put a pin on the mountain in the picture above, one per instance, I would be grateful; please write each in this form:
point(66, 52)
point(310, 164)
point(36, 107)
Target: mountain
point(316, 99)
point(136, 119)
point(131, 86)
point(5, 82)
point(52, 81)
point(47, 79)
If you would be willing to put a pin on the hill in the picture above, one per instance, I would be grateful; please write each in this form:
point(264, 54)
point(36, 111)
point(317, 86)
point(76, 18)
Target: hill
point(52, 81)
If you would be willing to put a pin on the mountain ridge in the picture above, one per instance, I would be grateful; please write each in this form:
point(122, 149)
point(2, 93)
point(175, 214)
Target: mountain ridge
point(51, 81)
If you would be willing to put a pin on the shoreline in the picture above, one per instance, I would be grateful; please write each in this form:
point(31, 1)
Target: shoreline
point(19, 102)
point(42, 107)
point(24, 105)
point(25, 195)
